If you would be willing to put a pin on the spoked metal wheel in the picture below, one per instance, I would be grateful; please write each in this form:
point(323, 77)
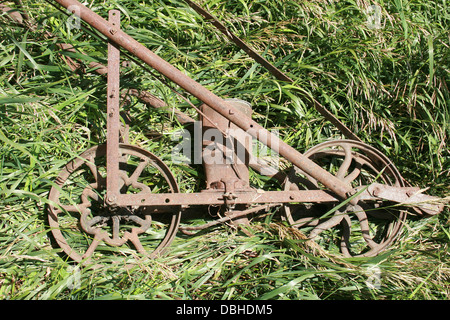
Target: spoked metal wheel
point(84, 227)
point(364, 229)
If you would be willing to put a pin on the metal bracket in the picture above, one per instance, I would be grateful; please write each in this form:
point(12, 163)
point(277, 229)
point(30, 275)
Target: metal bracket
point(411, 196)
point(113, 117)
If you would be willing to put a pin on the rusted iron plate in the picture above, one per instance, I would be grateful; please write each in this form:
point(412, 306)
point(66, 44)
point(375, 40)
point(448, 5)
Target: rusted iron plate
point(410, 196)
point(226, 159)
point(112, 113)
point(217, 198)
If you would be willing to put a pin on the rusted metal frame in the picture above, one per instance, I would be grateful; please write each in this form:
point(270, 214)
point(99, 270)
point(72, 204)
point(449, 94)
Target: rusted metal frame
point(113, 116)
point(257, 164)
point(254, 129)
point(373, 192)
point(272, 69)
point(216, 198)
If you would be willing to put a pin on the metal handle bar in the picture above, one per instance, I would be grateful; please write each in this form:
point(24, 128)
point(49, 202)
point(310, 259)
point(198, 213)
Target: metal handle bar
point(125, 41)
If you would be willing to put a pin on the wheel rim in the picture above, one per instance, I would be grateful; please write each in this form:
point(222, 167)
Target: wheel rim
point(366, 228)
point(80, 222)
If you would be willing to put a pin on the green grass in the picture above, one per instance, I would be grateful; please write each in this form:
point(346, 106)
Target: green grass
point(389, 85)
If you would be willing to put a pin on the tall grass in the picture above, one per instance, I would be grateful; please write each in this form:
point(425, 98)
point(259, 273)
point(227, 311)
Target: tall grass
point(388, 84)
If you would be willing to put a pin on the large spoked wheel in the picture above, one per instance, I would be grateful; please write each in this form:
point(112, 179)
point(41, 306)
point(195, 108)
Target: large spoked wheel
point(366, 228)
point(84, 227)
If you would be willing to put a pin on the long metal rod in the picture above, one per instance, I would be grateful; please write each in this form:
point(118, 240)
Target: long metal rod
point(113, 117)
point(214, 198)
point(114, 34)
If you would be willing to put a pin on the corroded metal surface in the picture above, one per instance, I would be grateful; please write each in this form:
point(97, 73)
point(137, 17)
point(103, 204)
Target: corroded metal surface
point(375, 180)
point(79, 203)
point(116, 192)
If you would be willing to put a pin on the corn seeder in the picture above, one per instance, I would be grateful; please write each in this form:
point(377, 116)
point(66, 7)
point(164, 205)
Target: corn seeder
point(117, 193)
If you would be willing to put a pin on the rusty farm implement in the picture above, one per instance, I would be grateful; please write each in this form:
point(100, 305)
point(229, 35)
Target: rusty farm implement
point(117, 192)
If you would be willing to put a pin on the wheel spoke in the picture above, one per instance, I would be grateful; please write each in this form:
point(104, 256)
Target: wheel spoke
point(93, 168)
point(89, 194)
point(137, 243)
point(346, 163)
point(137, 172)
point(308, 221)
point(92, 222)
point(330, 223)
point(143, 223)
point(116, 228)
point(354, 174)
point(69, 208)
point(364, 224)
point(95, 242)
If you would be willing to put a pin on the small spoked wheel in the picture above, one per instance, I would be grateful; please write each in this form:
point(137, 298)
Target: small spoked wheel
point(85, 227)
point(364, 229)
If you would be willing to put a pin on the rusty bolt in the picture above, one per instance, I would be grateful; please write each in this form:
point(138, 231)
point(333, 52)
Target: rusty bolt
point(376, 191)
point(111, 200)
